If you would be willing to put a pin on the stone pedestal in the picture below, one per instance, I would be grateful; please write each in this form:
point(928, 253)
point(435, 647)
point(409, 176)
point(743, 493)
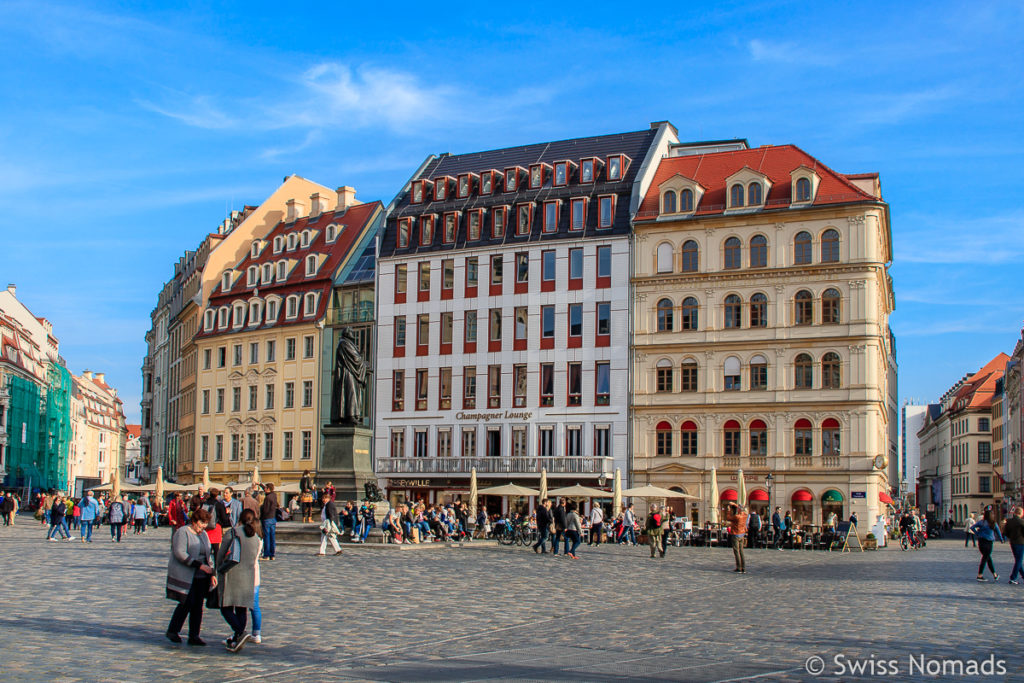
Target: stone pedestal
point(345, 461)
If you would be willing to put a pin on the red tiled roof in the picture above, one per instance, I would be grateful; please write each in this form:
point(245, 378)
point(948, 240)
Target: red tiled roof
point(978, 389)
point(774, 161)
point(134, 430)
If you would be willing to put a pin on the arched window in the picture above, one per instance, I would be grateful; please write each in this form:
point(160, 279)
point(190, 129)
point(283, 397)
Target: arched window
point(731, 431)
point(665, 316)
point(754, 194)
point(691, 256)
point(733, 311)
point(803, 190)
point(255, 312)
point(759, 310)
point(291, 306)
point(688, 435)
point(830, 378)
point(802, 247)
point(222, 317)
point(311, 265)
point(803, 375)
point(238, 315)
point(664, 255)
point(282, 270)
point(830, 443)
point(804, 437)
point(278, 244)
point(830, 246)
point(732, 377)
point(668, 202)
point(310, 304)
point(663, 439)
point(830, 299)
point(208, 320)
point(291, 241)
point(688, 375)
point(686, 200)
point(689, 312)
point(736, 196)
point(804, 310)
point(758, 438)
point(758, 373)
point(663, 379)
point(305, 238)
point(733, 252)
point(758, 251)
point(272, 306)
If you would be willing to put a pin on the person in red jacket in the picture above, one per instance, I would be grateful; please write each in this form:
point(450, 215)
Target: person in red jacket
point(176, 513)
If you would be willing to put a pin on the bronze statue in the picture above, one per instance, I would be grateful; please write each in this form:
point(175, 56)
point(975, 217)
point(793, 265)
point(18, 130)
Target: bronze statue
point(349, 381)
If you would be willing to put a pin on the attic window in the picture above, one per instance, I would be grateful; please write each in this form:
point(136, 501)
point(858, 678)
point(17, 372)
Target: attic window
point(511, 179)
point(291, 241)
point(278, 244)
point(486, 182)
point(499, 217)
point(252, 276)
point(417, 192)
point(441, 189)
point(754, 194)
point(222, 317)
point(426, 230)
point(464, 185)
point(803, 190)
point(451, 224)
point(225, 281)
point(587, 171)
point(254, 251)
point(577, 213)
point(686, 200)
point(310, 304)
point(238, 315)
point(282, 270)
point(305, 238)
point(268, 274)
point(475, 218)
point(615, 167)
point(311, 265)
point(208, 320)
point(404, 227)
point(536, 176)
point(561, 173)
point(272, 310)
point(735, 196)
point(332, 233)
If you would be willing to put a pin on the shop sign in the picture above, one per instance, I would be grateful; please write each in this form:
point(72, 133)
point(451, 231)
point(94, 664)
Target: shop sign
point(410, 482)
point(858, 494)
point(522, 415)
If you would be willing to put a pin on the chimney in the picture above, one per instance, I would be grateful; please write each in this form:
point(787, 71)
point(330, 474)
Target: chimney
point(12, 289)
point(294, 210)
point(317, 204)
point(87, 374)
point(100, 377)
point(346, 197)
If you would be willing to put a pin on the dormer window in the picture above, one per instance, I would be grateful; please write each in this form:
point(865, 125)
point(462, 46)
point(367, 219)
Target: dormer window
point(252, 274)
point(577, 213)
point(420, 188)
point(426, 230)
point(475, 219)
point(605, 211)
point(291, 241)
point(441, 189)
point(278, 244)
point(686, 201)
point(255, 312)
point(291, 308)
point(524, 219)
point(254, 250)
point(225, 281)
point(465, 184)
point(615, 164)
point(561, 176)
point(754, 194)
point(268, 274)
point(272, 305)
point(550, 216)
point(305, 238)
point(803, 190)
point(222, 317)
point(311, 265)
point(499, 218)
point(736, 195)
point(536, 176)
point(512, 179)
point(668, 202)
point(404, 228)
point(451, 226)
point(587, 170)
point(310, 304)
point(804, 181)
point(238, 315)
point(208, 320)
point(487, 182)
point(282, 271)
point(332, 233)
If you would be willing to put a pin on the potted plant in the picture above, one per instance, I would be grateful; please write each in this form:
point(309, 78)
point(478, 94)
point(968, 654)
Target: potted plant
point(870, 542)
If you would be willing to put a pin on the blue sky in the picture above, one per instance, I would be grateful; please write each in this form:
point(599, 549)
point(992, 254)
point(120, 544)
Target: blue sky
point(129, 130)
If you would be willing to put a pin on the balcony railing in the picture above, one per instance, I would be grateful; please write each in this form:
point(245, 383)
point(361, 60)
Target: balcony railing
point(525, 466)
point(360, 313)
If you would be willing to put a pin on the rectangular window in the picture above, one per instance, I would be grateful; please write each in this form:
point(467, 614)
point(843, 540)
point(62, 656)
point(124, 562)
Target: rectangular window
point(422, 386)
point(444, 443)
point(447, 323)
point(441, 189)
point(602, 442)
point(271, 351)
point(206, 401)
point(469, 442)
point(985, 484)
point(758, 376)
point(663, 376)
point(417, 192)
point(398, 390)
point(469, 387)
point(289, 348)
point(983, 424)
point(575, 320)
point(237, 354)
point(289, 394)
point(587, 171)
point(521, 322)
point(400, 331)
point(253, 397)
point(494, 442)
point(547, 263)
point(397, 443)
point(576, 264)
point(236, 446)
point(451, 224)
point(307, 445)
point(207, 355)
point(984, 452)
point(615, 168)
point(550, 217)
point(222, 354)
point(497, 270)
point(445, 389)
point(494, 325)
point(606, 211)
point(236, 399)
point(424, 276)
point(269, 395)
point(494, 386)
point(804, 442)
point(401, 278)
point(574, 442)
point(575, 384)
point(404, 228)
point(474, 224)
point(218, 447)
point(486, 182)
point(519, 385)
point(547, 322)
point(253, 445)
point(220, 400)
point(602, 383)
point(547, 384)
point(536, 176)
point(204, 448)
point(561, 173)
point(420, 448)
point(524, 219)
point(307, 393)
point(447, 275)
point(546, 445)
point(578, 213)
point(604, 319)
point(307, 346)
point(268, 445)
point(423, 329)
point(519, 447)
point(426, 230)
point(522, 268)
point(472, 275)
point(471, 327)
point(254, 353)
point(288, 438)
point(498, 219)
point(511, 179)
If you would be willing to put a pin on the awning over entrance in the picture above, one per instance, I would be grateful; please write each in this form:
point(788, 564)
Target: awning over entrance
point(886, 498)
point(730, 494)
point(758, 495)
point(832, 496)
point(802, 497)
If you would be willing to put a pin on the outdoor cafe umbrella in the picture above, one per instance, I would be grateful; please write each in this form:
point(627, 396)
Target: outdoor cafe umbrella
point(714, 496)
point(256, 474)
point(742, 496)
point(508, 490)
point(543, 484)
point(472, 494)
point(206, 477)
point(115, 483)
point(160, 482)
point(290, 487)
point(617, 494)
point(650, 491)
point(578, 491)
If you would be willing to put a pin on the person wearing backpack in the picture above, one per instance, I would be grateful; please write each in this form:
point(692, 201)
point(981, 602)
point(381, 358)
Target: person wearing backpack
point(117, 513)
point(89, 511)
point(753, 528)
point(653, 529)
point(238, 578)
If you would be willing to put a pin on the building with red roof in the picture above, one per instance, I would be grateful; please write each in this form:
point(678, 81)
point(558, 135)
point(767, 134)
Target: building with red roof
point(761, 344)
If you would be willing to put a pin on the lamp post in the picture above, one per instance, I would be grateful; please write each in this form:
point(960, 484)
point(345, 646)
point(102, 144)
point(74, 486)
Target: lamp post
point(768, 481)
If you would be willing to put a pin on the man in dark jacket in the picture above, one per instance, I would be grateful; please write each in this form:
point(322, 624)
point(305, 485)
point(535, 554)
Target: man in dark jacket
point(57, 512)
point(543, 527)
point(777, 527)
point(268, 518)
point(558, 514)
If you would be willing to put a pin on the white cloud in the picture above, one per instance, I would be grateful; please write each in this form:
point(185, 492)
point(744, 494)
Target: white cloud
point(788, 53)
point(196, 111)
point(943, 239)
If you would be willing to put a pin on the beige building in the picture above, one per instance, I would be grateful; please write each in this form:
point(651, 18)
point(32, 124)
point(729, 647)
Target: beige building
point(761, 333)
point(98, 429)
point(262, 350)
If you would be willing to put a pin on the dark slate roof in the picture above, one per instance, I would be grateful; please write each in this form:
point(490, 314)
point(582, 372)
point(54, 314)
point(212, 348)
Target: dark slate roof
point(634, 145)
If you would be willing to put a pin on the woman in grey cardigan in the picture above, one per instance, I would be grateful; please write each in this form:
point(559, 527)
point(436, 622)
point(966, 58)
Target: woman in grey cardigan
point(190, 577)
point(238, 582)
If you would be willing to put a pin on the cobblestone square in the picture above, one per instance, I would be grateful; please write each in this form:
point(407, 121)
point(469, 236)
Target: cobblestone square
point(81, 612)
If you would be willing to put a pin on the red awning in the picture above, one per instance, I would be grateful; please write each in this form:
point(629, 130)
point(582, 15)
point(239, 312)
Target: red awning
point(802, 497)
point(729, 494)
point(758, 494)
point(886, 498)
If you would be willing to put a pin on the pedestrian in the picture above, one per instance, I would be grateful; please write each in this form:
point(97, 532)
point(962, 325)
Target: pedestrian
point(666, 527)
point(177, 515)
point(968, 529)
point(777, 528)
point(329, 529)
point(573, 530)
point(753, 528)
point(628, 526)
point(306, 497)
point(737, 519)
point(268, 518)
point(118, 513)
point(853, 519)
point(558, 516)
point(58, 509)
point(249, 502)
point(147, 511)
point(596, 525)
point(190, 577)
point(90, 511)
point(48, 500)
point(652, 528)
point(139, 514)
point(788, 528)
point(7, 507)
point(987, 530)
point(76, 516)
point(481, 530)
point(238, 572)
point(1014, 533)
point(544, 522)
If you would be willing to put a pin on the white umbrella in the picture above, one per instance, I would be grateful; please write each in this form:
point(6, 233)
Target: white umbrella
point(578, 491)
point(473, 494)
point(256, 474)
point(115, 483)
point(650, 491)
point(206, 477)
point(290, 487)
point(741, 498)
point(160, 482)
point(617, 494)
point(543, 484)
point(508, 490)
point(714, 496)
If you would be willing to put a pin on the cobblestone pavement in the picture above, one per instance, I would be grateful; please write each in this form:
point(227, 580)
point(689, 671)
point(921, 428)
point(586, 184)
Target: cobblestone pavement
point(73, 611)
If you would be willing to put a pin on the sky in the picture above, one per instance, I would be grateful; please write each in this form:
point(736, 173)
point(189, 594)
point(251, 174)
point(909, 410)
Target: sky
point(130, 130)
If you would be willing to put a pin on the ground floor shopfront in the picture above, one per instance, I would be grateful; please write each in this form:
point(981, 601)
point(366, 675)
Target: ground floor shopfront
point(453, 490)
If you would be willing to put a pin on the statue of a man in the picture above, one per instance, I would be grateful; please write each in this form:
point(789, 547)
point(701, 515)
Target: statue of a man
point(349, 380)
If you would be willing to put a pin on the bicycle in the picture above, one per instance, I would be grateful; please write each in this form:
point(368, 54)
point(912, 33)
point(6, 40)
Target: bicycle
point(914, 542)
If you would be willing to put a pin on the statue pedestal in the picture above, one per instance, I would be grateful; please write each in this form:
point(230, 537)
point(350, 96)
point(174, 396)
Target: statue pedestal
point(345, 461)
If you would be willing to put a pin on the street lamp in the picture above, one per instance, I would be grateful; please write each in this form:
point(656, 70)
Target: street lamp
point(768, 481)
